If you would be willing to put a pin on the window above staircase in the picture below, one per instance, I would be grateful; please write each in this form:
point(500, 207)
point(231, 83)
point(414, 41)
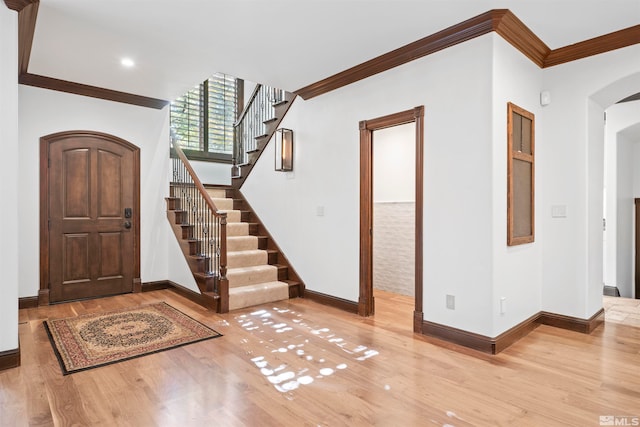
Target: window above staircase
point(202, 119)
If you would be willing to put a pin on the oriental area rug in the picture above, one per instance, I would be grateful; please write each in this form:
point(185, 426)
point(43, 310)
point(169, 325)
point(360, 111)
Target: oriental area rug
point(93, 340)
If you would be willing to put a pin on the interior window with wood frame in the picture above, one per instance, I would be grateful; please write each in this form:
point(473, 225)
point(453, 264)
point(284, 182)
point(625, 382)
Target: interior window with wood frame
point(520, 175)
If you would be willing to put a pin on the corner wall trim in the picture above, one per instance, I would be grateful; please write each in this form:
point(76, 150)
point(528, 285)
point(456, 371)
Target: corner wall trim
point(495, 345)
point(330, 300)
point(10, 358)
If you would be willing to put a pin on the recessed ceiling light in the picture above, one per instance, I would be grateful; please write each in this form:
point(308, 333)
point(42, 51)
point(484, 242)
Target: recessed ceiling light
point(127, 62)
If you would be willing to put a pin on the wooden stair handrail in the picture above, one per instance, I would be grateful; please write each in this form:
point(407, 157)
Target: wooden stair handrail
point(223, 282)
point(197, 182)
point(247, 105)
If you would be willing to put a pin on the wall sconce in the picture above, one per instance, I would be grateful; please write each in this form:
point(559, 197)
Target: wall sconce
point(284, 150)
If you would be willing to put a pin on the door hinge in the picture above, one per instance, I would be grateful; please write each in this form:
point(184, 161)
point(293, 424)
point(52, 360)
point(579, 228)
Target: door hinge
point(49, 224)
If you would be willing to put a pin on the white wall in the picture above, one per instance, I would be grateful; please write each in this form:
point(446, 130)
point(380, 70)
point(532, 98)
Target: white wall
point(8, 173)
point(394, 168)
point(465, 181)
point(212, 172)
point(458, 178)
point(572, 175)
point(516, 269)
point(44, 112)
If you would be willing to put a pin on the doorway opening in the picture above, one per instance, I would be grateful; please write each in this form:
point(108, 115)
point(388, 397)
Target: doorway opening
point(366, 302)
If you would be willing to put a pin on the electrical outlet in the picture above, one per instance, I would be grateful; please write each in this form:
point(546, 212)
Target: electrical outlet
point(503, 305)
point(451, 302)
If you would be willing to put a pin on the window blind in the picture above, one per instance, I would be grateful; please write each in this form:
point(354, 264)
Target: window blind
point(203, 118)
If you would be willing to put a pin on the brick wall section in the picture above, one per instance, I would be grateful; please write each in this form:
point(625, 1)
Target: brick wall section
point(394, 247)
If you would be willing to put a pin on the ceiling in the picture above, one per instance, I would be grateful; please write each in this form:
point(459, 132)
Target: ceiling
point(285, 43)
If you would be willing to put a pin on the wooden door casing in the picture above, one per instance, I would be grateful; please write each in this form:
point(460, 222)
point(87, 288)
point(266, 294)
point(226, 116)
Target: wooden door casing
point(366, 303)
point(87, 251)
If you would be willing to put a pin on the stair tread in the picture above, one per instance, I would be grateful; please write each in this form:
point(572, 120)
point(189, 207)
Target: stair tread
point(247, 251)
point(249, 236)
point(253, 268)
point(244, 288)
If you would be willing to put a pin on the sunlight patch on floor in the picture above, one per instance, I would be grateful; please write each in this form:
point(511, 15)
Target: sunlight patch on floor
point(297, 337)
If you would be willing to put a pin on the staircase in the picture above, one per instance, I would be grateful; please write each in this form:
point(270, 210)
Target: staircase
point(254, 269)
point(232, 257)
point(255, 127)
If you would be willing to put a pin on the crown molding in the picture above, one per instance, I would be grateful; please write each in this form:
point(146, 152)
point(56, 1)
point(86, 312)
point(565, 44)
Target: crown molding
point(501, 21)
point(513, 30)
point(18, 5)
point(595, 46)
point(467, 30)
point(91, 91)
point(27, 16)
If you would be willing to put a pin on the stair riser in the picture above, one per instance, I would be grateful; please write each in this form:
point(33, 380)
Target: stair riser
point(237, 279)
point(237, 229)
point(198, 264)
point(283, 273)
point(242, 244)
point(246, 259)
point(187, 231)
point(172, 203)
point(234, 216)
point(255, 295)
point(217, 193)
point(223, 204)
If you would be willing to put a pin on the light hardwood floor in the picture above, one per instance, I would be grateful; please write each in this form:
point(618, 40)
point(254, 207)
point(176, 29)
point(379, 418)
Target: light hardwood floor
point(298, 363)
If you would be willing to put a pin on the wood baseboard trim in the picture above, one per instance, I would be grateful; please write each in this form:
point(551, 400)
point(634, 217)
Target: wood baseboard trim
point(458, 336)
point(611, 291)
point(200, 299)
point(495, 345)
point(330, 300)
point(27, 302)
point(203, 300)
point(513, 334)
point(10, 358)
point(585, 326)
point(155, 286)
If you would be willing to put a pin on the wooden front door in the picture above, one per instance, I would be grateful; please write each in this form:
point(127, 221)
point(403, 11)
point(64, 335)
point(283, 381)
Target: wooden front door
point(92, 215)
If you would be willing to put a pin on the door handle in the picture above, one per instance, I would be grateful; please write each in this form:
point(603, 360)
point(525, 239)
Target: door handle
point(127, 224)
